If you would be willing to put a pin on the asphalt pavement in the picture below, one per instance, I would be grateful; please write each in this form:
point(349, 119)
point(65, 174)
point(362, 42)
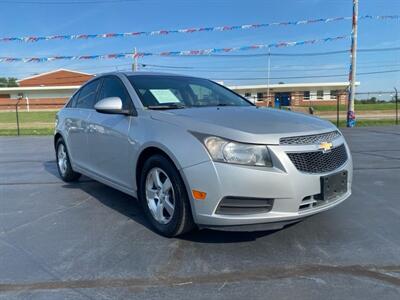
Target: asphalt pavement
point(88, 241)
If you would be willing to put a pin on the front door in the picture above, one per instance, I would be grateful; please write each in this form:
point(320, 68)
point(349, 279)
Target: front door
point(283, 99)
point(77, 124)
point(108, 139)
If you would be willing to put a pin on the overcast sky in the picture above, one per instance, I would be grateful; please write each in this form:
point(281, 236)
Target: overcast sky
point(35, 17)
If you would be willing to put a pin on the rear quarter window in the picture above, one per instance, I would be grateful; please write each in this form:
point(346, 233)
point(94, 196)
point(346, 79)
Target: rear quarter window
point(87, 95)
point(72, 101)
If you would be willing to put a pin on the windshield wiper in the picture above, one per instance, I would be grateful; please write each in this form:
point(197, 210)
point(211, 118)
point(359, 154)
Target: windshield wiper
point(167, 106)
point(214, 105)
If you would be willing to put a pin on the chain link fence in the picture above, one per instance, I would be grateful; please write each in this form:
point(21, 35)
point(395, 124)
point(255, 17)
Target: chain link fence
point(372, 108)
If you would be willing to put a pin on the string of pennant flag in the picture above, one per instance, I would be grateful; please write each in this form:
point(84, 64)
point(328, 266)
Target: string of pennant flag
point(171, 53)
point(186, 30)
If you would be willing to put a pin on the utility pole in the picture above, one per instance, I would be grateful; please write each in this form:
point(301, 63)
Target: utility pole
point(351, 117)
point(135, 61)
point(337, 109)
point(397, 107)
point(268, 72)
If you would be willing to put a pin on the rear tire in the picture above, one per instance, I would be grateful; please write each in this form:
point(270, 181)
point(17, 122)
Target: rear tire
point(64, 167)
point(164, 198)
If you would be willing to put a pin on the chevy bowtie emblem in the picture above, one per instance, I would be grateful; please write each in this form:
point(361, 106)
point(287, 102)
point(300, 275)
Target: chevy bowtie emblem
point(325, 147)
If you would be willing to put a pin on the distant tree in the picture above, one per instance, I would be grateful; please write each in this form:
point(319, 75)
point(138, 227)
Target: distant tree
point(8, 82)
point(12, 82)
point(3, 82)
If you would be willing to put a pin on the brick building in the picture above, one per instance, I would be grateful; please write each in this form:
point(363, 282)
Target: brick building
point(295, 94)
point(43, 91)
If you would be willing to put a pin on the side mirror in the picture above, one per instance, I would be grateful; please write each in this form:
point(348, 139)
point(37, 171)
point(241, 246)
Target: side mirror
point(111, 105)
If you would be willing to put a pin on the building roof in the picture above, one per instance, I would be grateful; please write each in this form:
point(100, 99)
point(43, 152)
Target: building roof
point(51, 72)
point(60, 77)
point(291, 85)
point(39, 88)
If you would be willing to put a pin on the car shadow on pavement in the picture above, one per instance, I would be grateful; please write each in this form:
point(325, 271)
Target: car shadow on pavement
point(131, 208)
point(208, 236)
point(112, 198)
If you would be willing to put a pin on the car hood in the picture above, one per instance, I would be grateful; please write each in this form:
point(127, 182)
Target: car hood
point(245, 124)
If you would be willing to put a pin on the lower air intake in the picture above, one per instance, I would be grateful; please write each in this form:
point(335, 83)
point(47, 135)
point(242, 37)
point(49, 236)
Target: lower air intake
point(244, 206)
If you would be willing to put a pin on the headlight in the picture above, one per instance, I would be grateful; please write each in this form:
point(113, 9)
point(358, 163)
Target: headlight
point(237, 153)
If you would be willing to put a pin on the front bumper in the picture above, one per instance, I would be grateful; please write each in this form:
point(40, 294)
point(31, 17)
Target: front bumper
point(284, 183)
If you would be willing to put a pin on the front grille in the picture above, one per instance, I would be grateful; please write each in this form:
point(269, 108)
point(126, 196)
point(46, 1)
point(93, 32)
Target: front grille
point(244, 206)
point(318, 161)
point(310, 139)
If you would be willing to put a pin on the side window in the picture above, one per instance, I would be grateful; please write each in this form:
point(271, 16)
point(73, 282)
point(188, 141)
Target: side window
point(113, 87)
point(87, 95)
point(72, 101)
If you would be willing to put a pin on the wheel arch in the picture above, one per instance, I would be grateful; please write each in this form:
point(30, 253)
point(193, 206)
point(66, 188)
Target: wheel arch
point(57, 136)
point(151, 150)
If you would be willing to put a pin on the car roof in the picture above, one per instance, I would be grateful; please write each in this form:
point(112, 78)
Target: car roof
point(143, 74)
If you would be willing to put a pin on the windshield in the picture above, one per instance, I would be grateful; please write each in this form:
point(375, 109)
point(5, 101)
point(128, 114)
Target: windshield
point(173, 92)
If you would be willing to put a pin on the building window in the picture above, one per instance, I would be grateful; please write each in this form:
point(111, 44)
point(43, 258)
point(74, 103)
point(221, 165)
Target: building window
point(260, 96)
point(247, 95)
point(306, 95)
point(320, 94)
point(334, 94)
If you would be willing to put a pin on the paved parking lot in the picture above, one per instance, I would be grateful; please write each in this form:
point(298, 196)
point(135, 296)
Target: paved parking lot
point(89, 241)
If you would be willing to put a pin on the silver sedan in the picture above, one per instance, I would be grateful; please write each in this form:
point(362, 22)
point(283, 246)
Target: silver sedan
point(196, 154)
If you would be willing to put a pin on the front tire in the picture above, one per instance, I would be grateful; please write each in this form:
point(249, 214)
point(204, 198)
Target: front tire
point(163, 196)
point(64, 167)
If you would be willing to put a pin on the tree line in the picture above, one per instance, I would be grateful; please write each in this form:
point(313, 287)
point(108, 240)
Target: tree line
point(8, 82)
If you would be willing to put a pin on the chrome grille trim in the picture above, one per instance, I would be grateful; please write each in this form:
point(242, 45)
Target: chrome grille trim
point(310, 139)
point(319, 161)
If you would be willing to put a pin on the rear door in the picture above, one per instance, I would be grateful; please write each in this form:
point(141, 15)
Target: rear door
point(77, 124)
point(108, 141)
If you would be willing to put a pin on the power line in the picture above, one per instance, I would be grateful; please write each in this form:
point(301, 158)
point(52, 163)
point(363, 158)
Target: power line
point(263, 78)
point(294, 54)
point(164, 66)
point(313, 76)
point(251, 70)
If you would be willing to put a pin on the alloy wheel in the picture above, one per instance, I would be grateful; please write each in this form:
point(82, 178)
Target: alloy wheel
point(160, 195)
point(62, 159)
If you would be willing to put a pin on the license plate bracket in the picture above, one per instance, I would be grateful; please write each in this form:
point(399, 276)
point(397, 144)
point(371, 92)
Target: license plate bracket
point(333, 186)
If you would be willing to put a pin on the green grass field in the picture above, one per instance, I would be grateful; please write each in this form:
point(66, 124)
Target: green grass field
point(31, 123)
point(358, 107)
point(42, 122)
point(28, 117)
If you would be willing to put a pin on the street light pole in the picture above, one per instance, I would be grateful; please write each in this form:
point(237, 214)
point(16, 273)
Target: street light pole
point(268, 72)
point(397, 107)
point(351, 117)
